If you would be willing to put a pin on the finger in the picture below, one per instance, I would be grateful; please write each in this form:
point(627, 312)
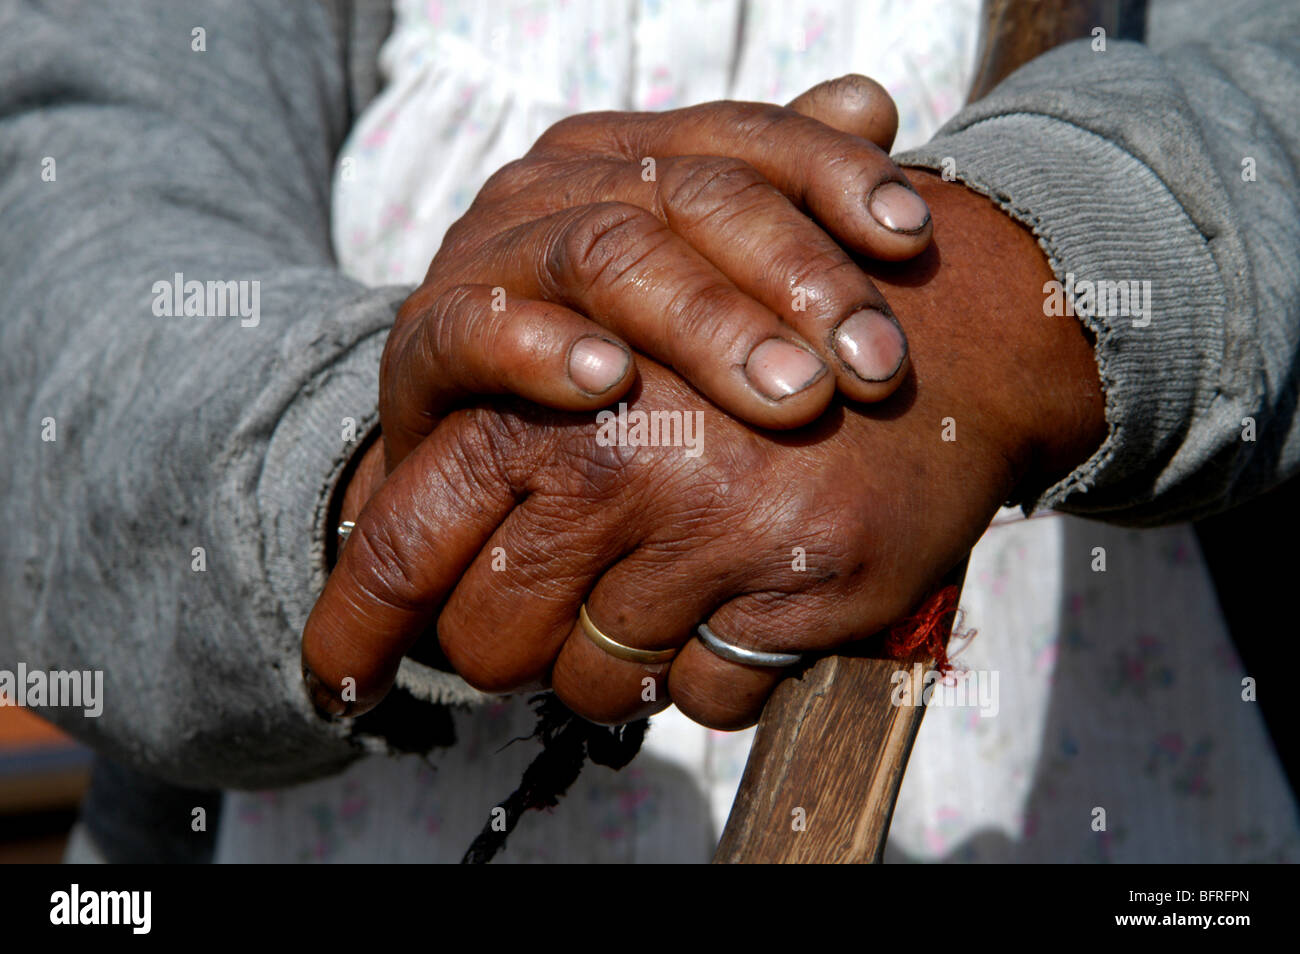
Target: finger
point(652, 599)
point(724, 694)
point(853, 104)
point(365, 480)
point(625, 269)
point(411, 543)
point(656, 597)
point(718, 693)
point(475, 340)
point(606, 515)
point(847, 183)
point(774, 253)
point(648, 601)
point(514, 607)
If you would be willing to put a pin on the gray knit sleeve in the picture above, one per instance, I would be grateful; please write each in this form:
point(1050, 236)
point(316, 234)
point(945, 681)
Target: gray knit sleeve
point(183, 369)
point(1164, 173)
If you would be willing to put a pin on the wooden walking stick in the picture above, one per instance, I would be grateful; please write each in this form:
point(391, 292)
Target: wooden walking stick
point(830, 750)
point(830, 743)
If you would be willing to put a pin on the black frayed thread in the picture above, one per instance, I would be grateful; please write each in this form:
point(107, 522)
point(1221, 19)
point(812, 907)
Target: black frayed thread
point(567, 742)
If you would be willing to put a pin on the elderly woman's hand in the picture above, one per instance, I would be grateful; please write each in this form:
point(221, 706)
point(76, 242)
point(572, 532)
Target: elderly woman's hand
point(505, 520)
point(686, 235)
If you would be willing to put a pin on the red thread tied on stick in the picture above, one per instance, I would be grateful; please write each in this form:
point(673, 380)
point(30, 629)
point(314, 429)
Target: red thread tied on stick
point(927, 629)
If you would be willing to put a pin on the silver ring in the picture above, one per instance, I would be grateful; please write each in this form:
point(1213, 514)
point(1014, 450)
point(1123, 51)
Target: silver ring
point(739, 654)
point(345, 531)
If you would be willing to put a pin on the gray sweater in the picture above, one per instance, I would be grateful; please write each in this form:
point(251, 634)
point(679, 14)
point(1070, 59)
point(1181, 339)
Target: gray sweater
point(128, 157)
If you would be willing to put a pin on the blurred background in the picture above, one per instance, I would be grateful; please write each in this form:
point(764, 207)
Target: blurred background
point(43, 776)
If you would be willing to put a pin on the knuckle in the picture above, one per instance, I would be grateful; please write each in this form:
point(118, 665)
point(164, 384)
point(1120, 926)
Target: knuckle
point(493, 448)
point(830, 280)
point(464, 237)
point(695, 189)
point(382, 567)
point(599, 244)
point(581, 129)
point(597, 471)
point(412, 315)
point(508, 179)
point(562, 132)
point(500, 200)
point(450, 322)
point(763, 123)
point(811, 513)
point(805, 511)
point(716, 493)
point(708, 312)
point(510, 185)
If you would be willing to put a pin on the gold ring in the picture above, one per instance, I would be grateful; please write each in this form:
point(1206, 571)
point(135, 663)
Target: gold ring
point(646, 656)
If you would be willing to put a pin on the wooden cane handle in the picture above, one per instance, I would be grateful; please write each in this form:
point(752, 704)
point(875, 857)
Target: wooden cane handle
point(827, 760)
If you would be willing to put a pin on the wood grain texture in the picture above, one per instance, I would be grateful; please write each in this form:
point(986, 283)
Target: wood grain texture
point(1013, 32)
point(831, 744)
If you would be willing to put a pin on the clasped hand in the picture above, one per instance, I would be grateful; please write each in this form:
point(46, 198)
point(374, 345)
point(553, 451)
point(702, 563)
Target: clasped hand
point(730, 285)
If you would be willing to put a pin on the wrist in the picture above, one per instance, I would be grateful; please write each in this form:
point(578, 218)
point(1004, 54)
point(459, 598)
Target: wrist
point(1027, 382)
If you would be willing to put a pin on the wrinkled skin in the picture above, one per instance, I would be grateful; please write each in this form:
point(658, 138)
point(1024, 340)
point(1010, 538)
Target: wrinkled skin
point(656, 541)
point(707, 261)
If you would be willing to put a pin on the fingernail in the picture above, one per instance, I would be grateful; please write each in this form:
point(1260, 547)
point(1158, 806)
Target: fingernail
point(898, 208)
point(871, 344)
point(779, 369)
point(596, 365)
point(326, 702)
